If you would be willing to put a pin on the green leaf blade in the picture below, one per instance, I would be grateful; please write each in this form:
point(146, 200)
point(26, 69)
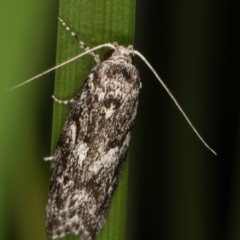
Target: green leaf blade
point(95, 22)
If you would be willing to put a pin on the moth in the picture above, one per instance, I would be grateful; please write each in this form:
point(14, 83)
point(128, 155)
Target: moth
point(93, 144)
point(92, 147)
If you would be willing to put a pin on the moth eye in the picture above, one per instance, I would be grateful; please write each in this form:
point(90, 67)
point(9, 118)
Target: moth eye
point(108, 54)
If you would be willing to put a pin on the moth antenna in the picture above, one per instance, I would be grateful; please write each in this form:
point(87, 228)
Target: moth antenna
point(174, 99)
point(84, 46)
point(64, 63)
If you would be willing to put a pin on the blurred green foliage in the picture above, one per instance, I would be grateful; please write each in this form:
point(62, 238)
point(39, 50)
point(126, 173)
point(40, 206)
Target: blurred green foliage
point(27, 48)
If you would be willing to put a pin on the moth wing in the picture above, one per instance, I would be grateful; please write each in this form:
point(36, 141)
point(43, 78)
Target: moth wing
point(90, 153)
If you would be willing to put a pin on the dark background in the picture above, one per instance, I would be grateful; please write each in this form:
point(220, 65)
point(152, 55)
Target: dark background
point(184, 191)
point(178, 188)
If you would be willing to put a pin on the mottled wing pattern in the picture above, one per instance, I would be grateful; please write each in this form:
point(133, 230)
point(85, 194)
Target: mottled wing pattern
point(91, 150)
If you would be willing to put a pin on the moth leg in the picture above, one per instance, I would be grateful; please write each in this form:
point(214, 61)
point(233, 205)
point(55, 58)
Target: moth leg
point(50, 158)
point(62, 101)
point(84, 46)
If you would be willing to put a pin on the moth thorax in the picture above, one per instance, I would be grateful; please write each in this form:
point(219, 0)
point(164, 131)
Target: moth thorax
point(120, 53)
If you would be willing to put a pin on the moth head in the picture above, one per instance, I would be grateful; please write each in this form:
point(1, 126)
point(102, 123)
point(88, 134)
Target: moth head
point(120, 53)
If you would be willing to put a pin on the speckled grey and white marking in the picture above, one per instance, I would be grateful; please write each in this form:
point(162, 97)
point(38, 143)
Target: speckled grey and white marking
point(90, 153)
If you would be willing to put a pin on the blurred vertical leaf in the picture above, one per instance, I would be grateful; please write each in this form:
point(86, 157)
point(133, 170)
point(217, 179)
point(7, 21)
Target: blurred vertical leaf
point(27, 47)
point(95, 22)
